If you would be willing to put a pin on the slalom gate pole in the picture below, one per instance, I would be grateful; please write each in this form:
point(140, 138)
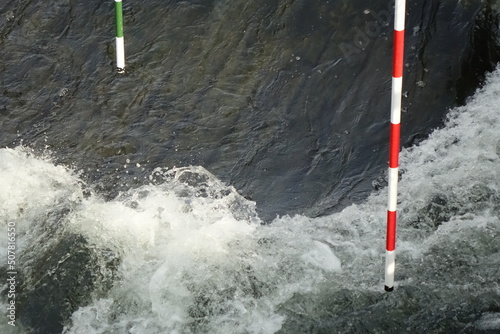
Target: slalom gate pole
point(394, 145)
point(120, 43)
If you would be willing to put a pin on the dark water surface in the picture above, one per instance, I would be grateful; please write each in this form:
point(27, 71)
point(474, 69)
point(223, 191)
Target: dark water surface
point(288, 101)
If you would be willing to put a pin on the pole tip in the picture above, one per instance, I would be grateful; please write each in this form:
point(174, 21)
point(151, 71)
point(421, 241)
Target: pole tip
point(388, 289)
point(120, 70)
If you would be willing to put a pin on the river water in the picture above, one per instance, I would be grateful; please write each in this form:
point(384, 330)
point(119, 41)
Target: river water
point(232, 180)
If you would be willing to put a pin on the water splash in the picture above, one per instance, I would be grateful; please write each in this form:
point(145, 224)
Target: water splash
point(187, 254)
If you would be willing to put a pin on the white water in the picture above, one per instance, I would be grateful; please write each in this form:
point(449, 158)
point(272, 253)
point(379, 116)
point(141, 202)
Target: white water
point(195, 258)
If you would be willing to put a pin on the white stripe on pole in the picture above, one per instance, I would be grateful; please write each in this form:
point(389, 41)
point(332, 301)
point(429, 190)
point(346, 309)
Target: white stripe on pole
point(393, 190)
point(390, 266)
point(400, 12)
point(397, 91)
point(120, 54)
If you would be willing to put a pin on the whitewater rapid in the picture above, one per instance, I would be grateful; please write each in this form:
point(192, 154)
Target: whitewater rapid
point(185, 253)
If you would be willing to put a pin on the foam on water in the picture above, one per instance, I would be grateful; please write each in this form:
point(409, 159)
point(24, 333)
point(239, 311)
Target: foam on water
point(489, 321)
point(195, 257)
point(195, 260)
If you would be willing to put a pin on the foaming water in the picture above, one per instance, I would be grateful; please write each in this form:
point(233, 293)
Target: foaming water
point(192, 254)
point(187, 254)
point(196, 259)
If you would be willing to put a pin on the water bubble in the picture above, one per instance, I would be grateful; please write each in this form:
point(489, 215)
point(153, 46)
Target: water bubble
point(63, 92)
point(420, 84)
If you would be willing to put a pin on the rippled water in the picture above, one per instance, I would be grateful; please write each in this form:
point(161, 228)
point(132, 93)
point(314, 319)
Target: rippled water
point(265, 109)
point(278, 99)
point(187, 254)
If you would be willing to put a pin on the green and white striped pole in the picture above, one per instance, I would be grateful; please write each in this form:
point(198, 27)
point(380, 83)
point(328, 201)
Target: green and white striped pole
point(120, 43)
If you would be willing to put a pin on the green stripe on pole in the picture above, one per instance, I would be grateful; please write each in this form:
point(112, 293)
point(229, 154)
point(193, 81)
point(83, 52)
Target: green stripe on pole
point(119, 18)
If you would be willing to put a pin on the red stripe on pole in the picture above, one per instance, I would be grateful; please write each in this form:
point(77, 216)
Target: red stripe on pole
point(399, 46)
point(394, 145)
point(391, 231)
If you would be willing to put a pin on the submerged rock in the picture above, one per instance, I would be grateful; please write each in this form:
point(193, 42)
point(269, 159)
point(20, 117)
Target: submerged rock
point(66, 275)
point(59, 272)
point(442, 207)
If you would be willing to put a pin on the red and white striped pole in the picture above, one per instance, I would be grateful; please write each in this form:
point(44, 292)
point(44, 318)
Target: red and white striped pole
point(397, 87)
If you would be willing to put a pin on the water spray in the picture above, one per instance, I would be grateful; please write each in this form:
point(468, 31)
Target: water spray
point(120, 43)
point(394, 145)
